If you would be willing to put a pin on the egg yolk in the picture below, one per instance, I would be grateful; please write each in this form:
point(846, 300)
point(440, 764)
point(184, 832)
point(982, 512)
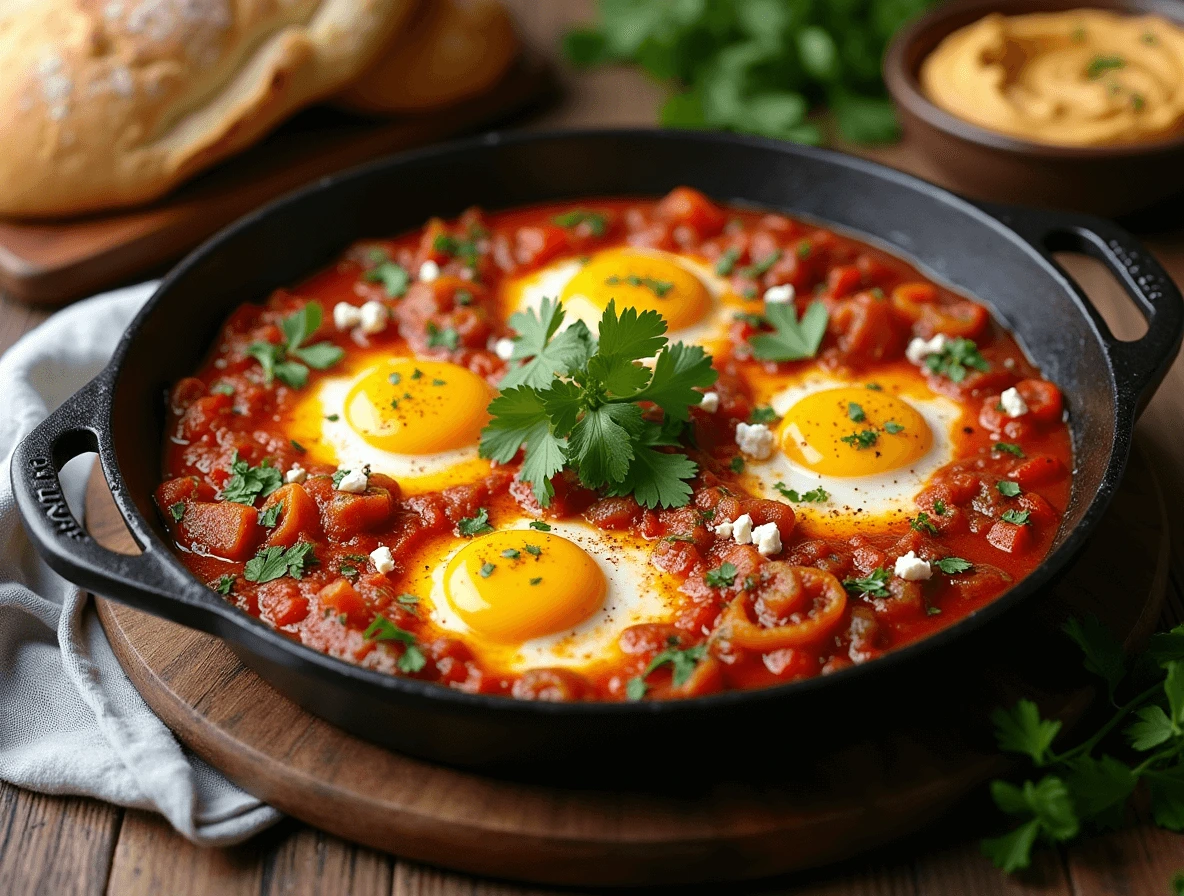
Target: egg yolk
point(514, 585)
point(642, 280)
point(854, 432)
point(406, 406)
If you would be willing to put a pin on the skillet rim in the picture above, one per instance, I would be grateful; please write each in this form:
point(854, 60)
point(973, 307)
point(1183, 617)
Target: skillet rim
point(1125, 407)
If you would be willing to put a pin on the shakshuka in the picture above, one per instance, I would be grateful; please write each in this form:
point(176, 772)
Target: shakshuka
point(615, 449)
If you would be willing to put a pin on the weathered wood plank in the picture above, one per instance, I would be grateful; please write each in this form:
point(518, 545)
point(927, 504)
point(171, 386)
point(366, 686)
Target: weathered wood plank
point(54, 845)
point(308, 862)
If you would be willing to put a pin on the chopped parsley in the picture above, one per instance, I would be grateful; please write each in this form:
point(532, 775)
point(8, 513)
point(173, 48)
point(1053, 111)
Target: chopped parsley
point(395, 378)
point(486, 570)
point(762, 415)
point(224, 584)
point(1008, 448)
point(465, 250)
point(721, 577)
point(892, 427)
point(511, 553)
point(222, 389)
point(348, 570)
point(595, 222)
point(289, 362)
point(922, 523)
point(953, 361)
point(872, 584)
point(855, 412)
point(276, 562)
point(382, 629)
point(247, 483)
point(407, 602)
point(1016, 517)
point(297, 447)
point(682, 662)
point(1101, 64)
point(939, 507)
point(177, 511)
point(533, 549)
point(737, 464)
point(726, 263)
point(540, 525)
point(269, 517)
point(759, 268)
point(393, 277)
point(953, 565)
point(657, 287)
point(814, 496)
point(338, 476)
point(792, 339)
point(447, 338)
point(1007, 488)
point(804, 249)
point(865, 438)
point(475, 525)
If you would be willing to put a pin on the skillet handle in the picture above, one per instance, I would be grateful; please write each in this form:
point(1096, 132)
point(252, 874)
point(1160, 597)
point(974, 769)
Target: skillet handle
point(147, 581)
point(1139, 365)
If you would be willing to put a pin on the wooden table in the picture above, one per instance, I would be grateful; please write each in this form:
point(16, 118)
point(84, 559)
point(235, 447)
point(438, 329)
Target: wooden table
point(64, 845)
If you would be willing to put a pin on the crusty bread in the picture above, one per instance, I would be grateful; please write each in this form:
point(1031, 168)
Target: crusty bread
point(452, 50)
point(110, 103)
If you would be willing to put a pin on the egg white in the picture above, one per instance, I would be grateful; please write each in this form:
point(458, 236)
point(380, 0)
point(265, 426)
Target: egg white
point(856, 500)
point(636, 593)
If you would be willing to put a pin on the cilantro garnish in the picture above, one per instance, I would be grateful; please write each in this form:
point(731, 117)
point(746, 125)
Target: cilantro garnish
point(892, 427)
point(872, 584)
point(447, 338)
point(817, 495)
point(465, 250)
point(922, 523)
point(791, 339)
point(475, 525)
point(1099, 65)
point(1007, 488)
point(865, 438)
point(759, 268)
point(290, 361)
point(594, 221)
point(533, 549)
point(762, 415)
point(275, 562)
point(953, 565)
point(682, 662)
point(511, 553)
point(177, 511)
point(247, 483)
point(393, 277)
point(657, 287)
point(1089, 785)
point(953, 361)
point(382, 629)
point(1016, 517)
point(407, 601)
point(223, 584)
point(855, 412)
point(737, 464)
point(486, 570)
point(589, 418)
point(550, 354)
point(939, 507)
point(269, 517)
point(722, 576)
point(727, 262)
point(1008, 448)
point(540, 525)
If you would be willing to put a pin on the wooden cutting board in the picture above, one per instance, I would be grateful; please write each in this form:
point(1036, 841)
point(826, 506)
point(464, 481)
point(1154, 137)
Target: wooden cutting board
point(50, 262)
point(864, 795)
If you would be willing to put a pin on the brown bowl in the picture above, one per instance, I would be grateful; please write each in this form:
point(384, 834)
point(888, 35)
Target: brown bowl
point(1110, 180)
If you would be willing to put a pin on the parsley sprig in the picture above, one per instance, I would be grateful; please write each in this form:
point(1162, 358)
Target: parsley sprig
point(276, 562)
point(289, 362)
point(246, 483)
point(1089, 784)
point(682, 664)
point(956, 359)
point(579, 405)
point(791, 339)
point(382, 629)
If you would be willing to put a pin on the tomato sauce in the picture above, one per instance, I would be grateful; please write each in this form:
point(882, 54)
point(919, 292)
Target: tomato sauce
point(785, 617)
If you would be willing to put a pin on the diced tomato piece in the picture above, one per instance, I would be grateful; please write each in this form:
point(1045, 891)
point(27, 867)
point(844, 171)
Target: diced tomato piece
point(614, 513)
point(865, 330)
point(910, 299)
point(550, 684)
point(1043, 400)
point(1038, 470)
point(224, 529)
point(179, 491)
point(340, 598)
point(843, 280)
point(185, 393)
point(201, 417)
point(1041, 512)
point(346, 515)
point(963, 318)
point(282, 603)
point(1009, 537)
point(648, 638)
point(538, 244)
point(691, 208)
point(994, 419)
point(299, 515)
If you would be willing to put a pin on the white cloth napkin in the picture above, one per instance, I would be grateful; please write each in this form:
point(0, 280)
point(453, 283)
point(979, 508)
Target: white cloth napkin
point(70, 720)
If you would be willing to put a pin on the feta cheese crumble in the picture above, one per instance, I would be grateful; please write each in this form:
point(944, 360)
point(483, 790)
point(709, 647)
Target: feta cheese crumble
point(382, 559)
point(767, 539)
point(296, 475)
point(346, 316)
point(777, 295)
point(920, 349)
point(709, 402)
point(912, 568)
point(428, 271)
point(1013, 403)
point(373, 318)
point(742, 529)
point(756, 440)
point(504, 348)
point(354, 482)
point(724, 529)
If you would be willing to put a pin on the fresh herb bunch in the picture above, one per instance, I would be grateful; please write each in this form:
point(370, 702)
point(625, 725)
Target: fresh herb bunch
point(578, 403)
point(1088, 785)
point(756, 66)
point(290, 361)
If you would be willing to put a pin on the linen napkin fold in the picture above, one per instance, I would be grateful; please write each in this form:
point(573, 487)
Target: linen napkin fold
point(70, 720)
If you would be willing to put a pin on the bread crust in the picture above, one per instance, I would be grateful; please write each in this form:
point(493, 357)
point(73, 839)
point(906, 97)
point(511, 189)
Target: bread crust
point(111, 103)
point(451, 51)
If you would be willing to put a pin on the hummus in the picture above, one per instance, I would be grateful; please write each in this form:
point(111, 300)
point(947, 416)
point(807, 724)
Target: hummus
point(1084, 77)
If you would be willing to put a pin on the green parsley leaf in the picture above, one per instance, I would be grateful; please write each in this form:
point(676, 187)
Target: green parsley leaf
point(1016, 517)
point(540, 525)
point(1050, 808)
point(722, 576)
point(393, 277)
point(549, 354)
point(682, 662)
point(177, 511)
point(1103, 652)
point(792, 339)
point(865, 438)
point(511, 553)
point(872, 584)
point(1008, 448)
point(1100, 789)
point(762, 415)
point(475, 525)
point(486, 570)
point(922, 523)
point(737, 464)
point(382, 629)
point(657, 287)
point(855, 412)
point(892, 427)
point(1153, 728)
point(1100, 64)
point(297, 327)
point(760, 268)
point(953, 361)
point(247, 483)
point(594, 222)
point(1167, 797)
point(224, 584)
point(1013, 851)
point(269, 517)
point(447, 338)
point(1007, 488)
point(275, 562)
point(953, 565)
point(939, 507)
point(817, 495)
point(533, 549)
point(1022, 730)
point(222, 389)
point(725, 264)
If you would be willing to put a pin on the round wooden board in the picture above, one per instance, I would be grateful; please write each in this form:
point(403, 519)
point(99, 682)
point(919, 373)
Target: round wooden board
point(884, 789)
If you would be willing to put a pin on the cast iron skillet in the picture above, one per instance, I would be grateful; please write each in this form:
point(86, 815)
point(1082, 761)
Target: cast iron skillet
point(1000, 255)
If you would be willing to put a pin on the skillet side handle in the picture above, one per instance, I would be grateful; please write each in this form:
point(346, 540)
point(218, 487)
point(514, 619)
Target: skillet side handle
point(1139, 365)
point(144, 581)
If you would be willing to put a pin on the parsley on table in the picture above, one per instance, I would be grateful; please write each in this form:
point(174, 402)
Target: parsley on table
point(1089, 785)
point(872, 584)
point(477, 524)
point(953, 361)
point(865, 438)
point(1008, 448)
point(289, 362)
point(382, 629)
point(223, 584)
point(791, 339)
point(682, 663)
point(722, 576)
point(269, 517)
point(1007, 488)
point(595, 222)
point(276, 562)
point(953, 565)
point(726, 263)
point(581, 407)
point(817, 495)
point(1016, 517)
point(394, 278)
point(247, 483)
point(922, 523)
point(762, 415)
point(447, 338)
point(177, 511)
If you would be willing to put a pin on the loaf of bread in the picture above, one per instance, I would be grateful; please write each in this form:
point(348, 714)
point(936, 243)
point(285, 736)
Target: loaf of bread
point(111, 103)
point(452, 50)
